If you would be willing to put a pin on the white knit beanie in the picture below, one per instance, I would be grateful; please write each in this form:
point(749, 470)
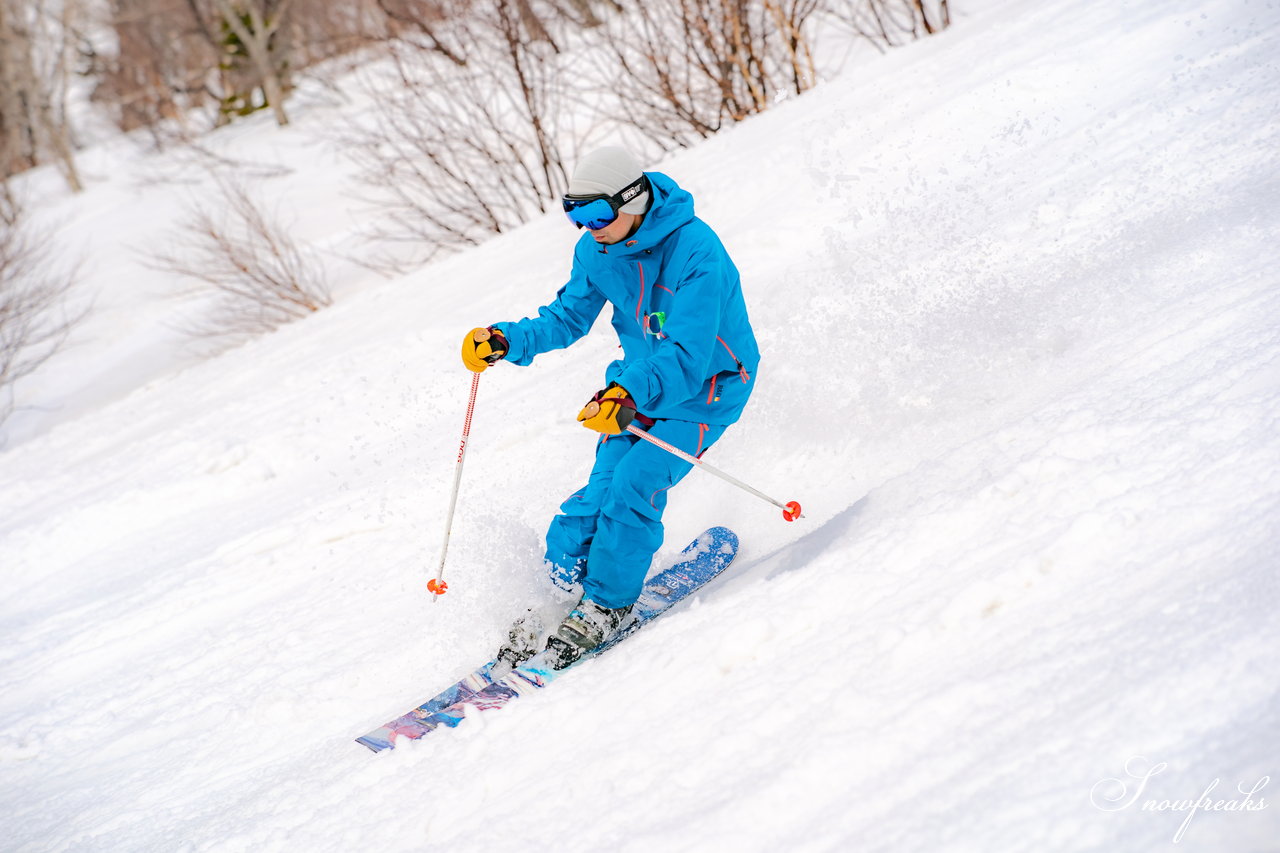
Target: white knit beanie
point(607, 171)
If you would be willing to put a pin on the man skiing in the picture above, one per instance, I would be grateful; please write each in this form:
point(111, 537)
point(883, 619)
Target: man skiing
point(689, 364)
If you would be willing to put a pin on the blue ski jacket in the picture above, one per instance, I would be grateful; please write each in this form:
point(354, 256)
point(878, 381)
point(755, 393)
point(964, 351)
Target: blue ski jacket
point(688, 349)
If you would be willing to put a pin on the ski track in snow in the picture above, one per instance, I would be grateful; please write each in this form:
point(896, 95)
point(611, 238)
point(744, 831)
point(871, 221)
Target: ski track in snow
point(1038, 452)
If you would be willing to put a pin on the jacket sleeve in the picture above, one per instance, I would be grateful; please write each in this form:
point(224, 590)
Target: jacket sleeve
point(568, 317)
point(681, 364)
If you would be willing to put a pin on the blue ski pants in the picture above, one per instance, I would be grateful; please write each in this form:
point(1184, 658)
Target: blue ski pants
point(607, 532)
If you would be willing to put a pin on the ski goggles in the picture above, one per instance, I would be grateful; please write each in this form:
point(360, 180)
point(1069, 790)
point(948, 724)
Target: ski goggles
point(599, 211)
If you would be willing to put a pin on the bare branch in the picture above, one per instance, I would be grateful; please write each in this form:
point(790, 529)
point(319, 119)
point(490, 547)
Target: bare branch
point(37, 50)
point(890, 23)
point(457, 152)
point(690, 67)
point(34, 321)
point(248, 257)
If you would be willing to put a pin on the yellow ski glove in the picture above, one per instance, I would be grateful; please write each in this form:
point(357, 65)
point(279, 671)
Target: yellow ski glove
point(483, 347)
point(610, 411)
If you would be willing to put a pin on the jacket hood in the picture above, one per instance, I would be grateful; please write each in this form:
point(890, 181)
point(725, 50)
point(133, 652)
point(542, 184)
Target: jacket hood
point(672, 207)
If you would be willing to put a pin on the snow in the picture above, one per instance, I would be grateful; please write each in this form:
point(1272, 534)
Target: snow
point(1016, 286)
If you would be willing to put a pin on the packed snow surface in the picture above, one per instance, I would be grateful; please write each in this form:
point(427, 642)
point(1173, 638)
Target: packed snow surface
point(1018, 292)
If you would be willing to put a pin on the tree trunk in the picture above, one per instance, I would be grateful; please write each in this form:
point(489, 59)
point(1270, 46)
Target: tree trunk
point(256, 38)
point(33, 123)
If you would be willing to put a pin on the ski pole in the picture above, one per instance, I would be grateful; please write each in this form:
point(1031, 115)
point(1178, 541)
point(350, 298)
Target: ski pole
point(437, 584)
point(790, 509)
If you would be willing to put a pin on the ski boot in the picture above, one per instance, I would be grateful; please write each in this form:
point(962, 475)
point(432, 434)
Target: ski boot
point(584, 629)
point(527, 636)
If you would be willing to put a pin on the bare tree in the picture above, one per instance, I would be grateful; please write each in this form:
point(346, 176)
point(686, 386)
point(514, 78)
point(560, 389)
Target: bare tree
point(160, 66)
point(172, 56)
point(255, 43)
point(467, 140)
point(250, 260)
point(34, 321)
point(891, 23)
point(37, 51)
point(583, 12)
point(323, 29)
point(688, 68)
point(532, 23)
point(427, 26)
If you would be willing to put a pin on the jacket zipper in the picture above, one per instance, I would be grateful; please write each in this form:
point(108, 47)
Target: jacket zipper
point(640, 301)
point(742, 370)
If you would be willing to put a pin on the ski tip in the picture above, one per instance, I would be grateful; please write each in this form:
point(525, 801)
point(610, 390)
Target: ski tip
point(375, 743)
point(725, 536)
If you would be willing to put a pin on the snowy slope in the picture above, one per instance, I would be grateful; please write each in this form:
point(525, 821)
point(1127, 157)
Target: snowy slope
point(1017, 291)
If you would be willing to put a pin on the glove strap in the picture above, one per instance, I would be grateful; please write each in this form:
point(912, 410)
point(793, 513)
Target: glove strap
point(498, 345)
point(626, 403)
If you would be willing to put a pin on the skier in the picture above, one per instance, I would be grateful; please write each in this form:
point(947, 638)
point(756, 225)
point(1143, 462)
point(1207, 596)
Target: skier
point(689, 364)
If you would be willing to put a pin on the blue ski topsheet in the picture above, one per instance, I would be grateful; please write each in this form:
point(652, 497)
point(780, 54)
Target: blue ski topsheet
point(704, 558)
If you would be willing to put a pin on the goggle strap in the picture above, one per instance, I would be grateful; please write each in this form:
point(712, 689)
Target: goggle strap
point(617, 200)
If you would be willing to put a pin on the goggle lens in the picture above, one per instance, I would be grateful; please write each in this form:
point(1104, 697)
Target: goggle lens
point(591, 213)
point(600, 211)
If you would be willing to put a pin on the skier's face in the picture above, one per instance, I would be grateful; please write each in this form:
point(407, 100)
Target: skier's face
point(617, 230)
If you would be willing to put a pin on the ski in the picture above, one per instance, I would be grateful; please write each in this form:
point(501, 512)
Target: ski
point(702, 560)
